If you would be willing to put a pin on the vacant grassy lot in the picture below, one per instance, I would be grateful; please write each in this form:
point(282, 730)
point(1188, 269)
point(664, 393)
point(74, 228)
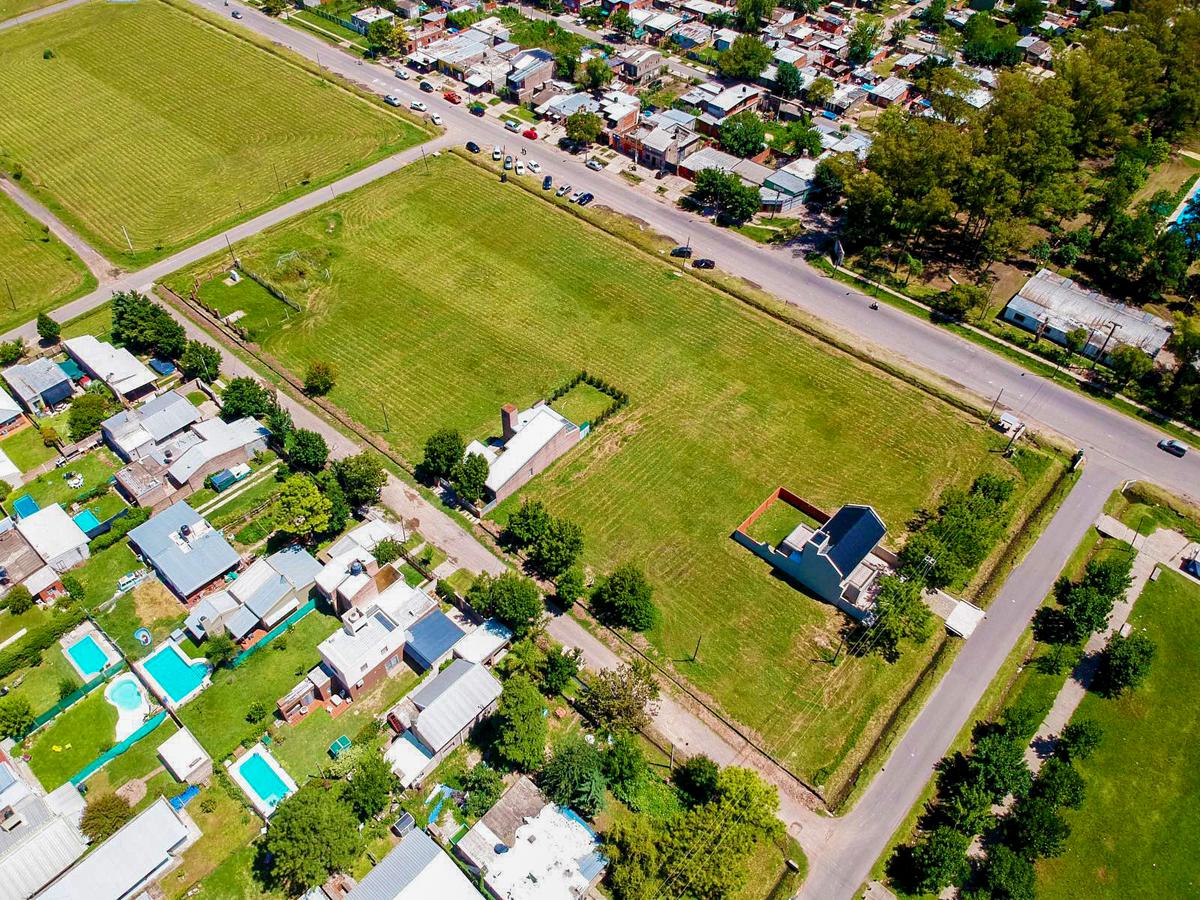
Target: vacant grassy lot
point(41, 272)
point(229, 130)
point(1136, 833)
point(26, 448)
point(443, 295)
point(10, 9)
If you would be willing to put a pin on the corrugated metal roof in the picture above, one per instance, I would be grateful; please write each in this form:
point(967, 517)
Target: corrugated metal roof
point(185, 564)
point(415, 869)
point(473, 690)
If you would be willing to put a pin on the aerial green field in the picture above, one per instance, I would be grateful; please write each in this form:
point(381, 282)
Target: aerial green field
point(1136, 833)
point(10, 9)
point(41, 273)
point(228, 131)
point(440, 295)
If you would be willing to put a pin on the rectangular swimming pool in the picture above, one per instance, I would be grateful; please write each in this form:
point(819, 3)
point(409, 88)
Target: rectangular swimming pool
point(86, 520)
point(87, 656)
point(265, 782)
point(178, 677)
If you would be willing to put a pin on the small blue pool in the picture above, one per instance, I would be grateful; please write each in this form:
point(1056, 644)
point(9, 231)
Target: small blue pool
point(87, 655)
point(86, 520)
point(175, 675)
point(264, 780)
point(25, 506)
point(126, 694)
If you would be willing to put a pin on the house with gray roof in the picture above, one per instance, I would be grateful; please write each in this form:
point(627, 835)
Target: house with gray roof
point(415, 869)
point(39, 835)
point(40, 385)
point(134, 433)
point(187, 553)
point(451, 704)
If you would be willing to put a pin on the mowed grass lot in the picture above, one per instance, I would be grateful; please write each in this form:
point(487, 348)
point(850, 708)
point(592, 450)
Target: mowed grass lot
point(228, 129)
point(1137, 831)
point(41, 272)
point(448, 295)
point(10, 9)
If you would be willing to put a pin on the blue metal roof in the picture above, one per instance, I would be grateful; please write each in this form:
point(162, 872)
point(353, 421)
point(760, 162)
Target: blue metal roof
point(431, 637)
point(853, 533)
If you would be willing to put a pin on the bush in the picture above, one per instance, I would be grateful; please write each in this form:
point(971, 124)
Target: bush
point(625, 599)
point(87, 412)
point(483, 786)
point(387, 551)
point(696, 779)
point(28, 652)
point(319, 379)
point(66, 687)
point(16, 716)
point(11, 352)
point(103, 816)
point(257, 712)
point(18, 600)
point(121, 527)
point(575, 777)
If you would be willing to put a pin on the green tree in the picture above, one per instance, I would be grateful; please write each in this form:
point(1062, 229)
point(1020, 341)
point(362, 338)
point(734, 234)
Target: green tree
point(625, 768)
point(302, 510)
point(622, 699)
point(625, 599)
point(319, 378)
point(16, 716)
point(597, 74)
point(632, 847)
point(387, 551)
point(584, 127)
point(306, 450)
point(1129, 363)
point(560, 668)
point(940, 860)
point(257, 712)
point(220, 650)
point(514, 600)
point(750, 13)
point(200, 360)
point(444, 449)
point(244, 398)
point(520, 725)
point(483, 786)
point(621, 22)
point(1079, 739)
point(386, 37)
point(1059, 783)
point(574, 776)
point(998, 764)
point(274, 7)
point(469, 477)
point(1027, 13)
point(48, 329)
point(88, 410)
point(18, 600)
point(527, 525)
point(12, 351)
point(821, 91)
point(900, 615)
point(569, 586)
point(697, 779)
point(67, 686)
point(1007, 875)
point(832, 173)
point(145, 327)
point(798, 137)
point(788, 81)
point(362, 478)
point(370, 788)
point(1076, 340)
point(313, 834)
point(339, 506)
point(742, 134)
point(103, 816)
point(864, 38)
point(1037, 829)
point(745, 59)
point(558, 548)
point(1125, 663)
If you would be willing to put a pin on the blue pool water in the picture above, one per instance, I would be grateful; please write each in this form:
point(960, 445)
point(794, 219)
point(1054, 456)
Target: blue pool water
point(126, 694)
point(86, 520)
point(178, 679)
point(88, 656)
point(263, 780)
point(24, 506)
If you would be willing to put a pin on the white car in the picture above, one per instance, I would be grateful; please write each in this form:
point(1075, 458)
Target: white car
point(436, 119)
point(534, 166)
point(402, 74)
point(393, 100)
point(496, 154)
point(418, 105)
point(520, 167)
point(574, 198)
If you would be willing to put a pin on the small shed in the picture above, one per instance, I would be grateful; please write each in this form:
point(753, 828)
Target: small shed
point(184, 758)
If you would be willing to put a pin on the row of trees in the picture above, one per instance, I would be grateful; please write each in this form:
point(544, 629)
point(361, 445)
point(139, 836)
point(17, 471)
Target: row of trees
point(553, 544)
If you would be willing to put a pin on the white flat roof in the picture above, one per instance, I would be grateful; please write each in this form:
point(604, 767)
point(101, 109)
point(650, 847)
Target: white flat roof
point(8, 470)
point(51, 532)
point(116, 366)
point(182, 754)
point(9, 408)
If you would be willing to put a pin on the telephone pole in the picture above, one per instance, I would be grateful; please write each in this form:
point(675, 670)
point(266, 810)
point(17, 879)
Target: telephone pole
point(1104, 346)
point(994, 404)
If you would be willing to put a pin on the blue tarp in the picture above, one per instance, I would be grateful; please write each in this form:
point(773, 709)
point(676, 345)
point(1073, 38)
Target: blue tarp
point(178, 803)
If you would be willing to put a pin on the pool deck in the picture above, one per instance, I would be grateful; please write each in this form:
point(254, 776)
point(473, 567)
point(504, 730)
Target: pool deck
point(158, 688)
point(128, 720)
point(260, 804)
point(80, 633)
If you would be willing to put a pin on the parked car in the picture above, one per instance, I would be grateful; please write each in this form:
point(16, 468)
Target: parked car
point(393, 100)
point(1192, 567)
point(451, 97)
point(704, 264)
point(496, 154)
point(534, 166)
point(586, 199)
point(512, 125)
point(595, 165)
point(418, 105)
point(436, 119)
point(574, 198)
point(529, 133)
point(682, 252)
point(402, 74)
point(520, 167)
point(237, 13)
point(565, 143)
point(547, 183)
point(477, 109)
point(472, 146)
point(426, 87)
point(507, 163)
point(565, 189)
point(1174, 447)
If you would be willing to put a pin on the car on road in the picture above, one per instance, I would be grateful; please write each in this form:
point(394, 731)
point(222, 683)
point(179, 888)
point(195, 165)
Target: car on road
point(418, 105)
point(512, 124)
point(436, 119)
point(426, 87)
point(237, 13)
point(547, 183)
point(529, 133)
point(565, 189)
point(451, 97)
point(477, 109)
point(682, 252)
point(393, 100)
point(570, 146)
point(574, 198)
point(520, 167)
point(507, 163)
point(595, 165)
point(586, 199)
point(704, 264)
point(472, 146)
point(402, 74)
point(534, 166)
point(497, 154)
point(1172, 446)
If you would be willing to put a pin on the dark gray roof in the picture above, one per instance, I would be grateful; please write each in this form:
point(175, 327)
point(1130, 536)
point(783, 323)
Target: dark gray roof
point(433, 636)
point(186, 565)
point(853, 533)
point(444, 681)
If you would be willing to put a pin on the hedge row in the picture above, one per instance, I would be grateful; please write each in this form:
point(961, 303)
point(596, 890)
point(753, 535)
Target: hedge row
point(29, 652)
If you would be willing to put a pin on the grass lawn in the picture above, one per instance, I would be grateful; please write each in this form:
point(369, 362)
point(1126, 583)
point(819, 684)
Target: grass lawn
point(138, 762)
point(11, 8)
point(583, 403)
point(228, 827)
point(81, 733)
point(418, 285)
point(31, 618)
point(41, 272)
point(218, 716)
point(39, 685)
point(100, 574)
point(97, 323)
point(1131, 837)
point(26, 450)
point(149, 605)
point(778, 521)
point(248, 500)
point(96, 467)
point(206, 155)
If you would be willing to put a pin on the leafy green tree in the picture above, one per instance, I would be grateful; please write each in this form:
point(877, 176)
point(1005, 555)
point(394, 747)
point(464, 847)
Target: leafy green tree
point(200, 360)
point(574, 776)
point(632, 848)
point(220, 650)
point(1037, 829)
point(1027, 13)
point(370, 788)
point(18, 600)
point(584, 127)
point(48, 329)
point(12, 351)
point(302, 510)
point(1125, 663)
point(1079, 739)
point(622, 699)
point(798, 137)
point(940, 860)
point(145, 327)
point(386, 37)
point(1007, 875)
point(67, 686)
point(750, 13)
point(558, 548)
point(88, 410)
point(625, 768)
point(625, 599)
point(597, 74)
point(319, 379)
point(16, 716)
point(339, 506)
point(362, 478)
point(900, 615)
point(832, 173)
point(313, 834)
point(514, 600)
point(1129, 363)
point(743, 134)
point(745, 59)
point(444, 449)
point(1059, 783)
point(483, 786)
point(561, 667)
point(257, 712)
point(103, 816)
point(244, 398)
point(967, 807)
point(788, 81)
point(306, 450)
point(520, 726)
point(387, 551)
point(959, 300)
point(621, 22)
point(569, 586)
point(997, 762)
point(1076, 340)
point(697, 779)
point(864, 38)
point(274, 7)
point(820, 91)
point(469, 477)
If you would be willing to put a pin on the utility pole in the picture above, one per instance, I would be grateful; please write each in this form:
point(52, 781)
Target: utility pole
point(697, 650)
point(1100, 353)
point(387, 426)
point(230, 246)
point(425, 160)
point(11, 301)
point(278, 185)
point(127, 240)
point(994, 404)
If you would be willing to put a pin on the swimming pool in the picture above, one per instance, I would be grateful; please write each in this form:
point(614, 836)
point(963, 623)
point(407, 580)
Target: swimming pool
point(88, 657)
point(86, 520)
point(178, 677)
point(126, 693)
point(265, 782)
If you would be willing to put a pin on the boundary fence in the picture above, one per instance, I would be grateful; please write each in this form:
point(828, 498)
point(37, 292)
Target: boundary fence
point(117, 749)
point(74, 697)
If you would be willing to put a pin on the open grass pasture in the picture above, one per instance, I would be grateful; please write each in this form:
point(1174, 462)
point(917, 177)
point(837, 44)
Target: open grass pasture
point(440, 295)
point(1136, 833)
point(225, 130)
point(10, 9)
point(41, 272)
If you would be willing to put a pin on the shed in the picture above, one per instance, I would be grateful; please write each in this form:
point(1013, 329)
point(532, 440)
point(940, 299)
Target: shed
point(184, 758)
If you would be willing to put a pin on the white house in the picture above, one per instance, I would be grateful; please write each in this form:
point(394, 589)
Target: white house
point(55, 537)
point(115, 366)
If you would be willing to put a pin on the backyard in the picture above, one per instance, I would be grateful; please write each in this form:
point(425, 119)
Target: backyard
point(191, 170)
point(26, 448)
point(1135, 833)
point(74, 739)
point(95, 467)
point(41, 272)
point(725, 405)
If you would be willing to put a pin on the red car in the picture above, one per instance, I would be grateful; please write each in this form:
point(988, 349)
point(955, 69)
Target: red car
point(529, 133)
point(452, 97)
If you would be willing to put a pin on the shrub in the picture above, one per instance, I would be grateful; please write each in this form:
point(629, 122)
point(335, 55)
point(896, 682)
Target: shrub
point(19, 600)
point(104, 815)
point(625, 599)
point(319, 379)
point(696, 779)
point(387, 551)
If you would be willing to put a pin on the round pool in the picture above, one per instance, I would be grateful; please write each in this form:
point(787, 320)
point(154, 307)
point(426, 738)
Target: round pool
point(126, 694)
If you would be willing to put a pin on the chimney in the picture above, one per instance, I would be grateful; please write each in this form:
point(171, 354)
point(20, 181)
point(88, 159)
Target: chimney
point(508, 418)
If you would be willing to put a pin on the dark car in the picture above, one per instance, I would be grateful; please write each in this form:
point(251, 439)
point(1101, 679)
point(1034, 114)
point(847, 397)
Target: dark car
point(1172, 446)
point(586, 199)
point(569, 145)
point(1192, 567)
point(704, 264)
point(472, 146)
point(426, 87)
point(237, 14)
point(547, 183)
point(682, 252)
point(477, 109)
